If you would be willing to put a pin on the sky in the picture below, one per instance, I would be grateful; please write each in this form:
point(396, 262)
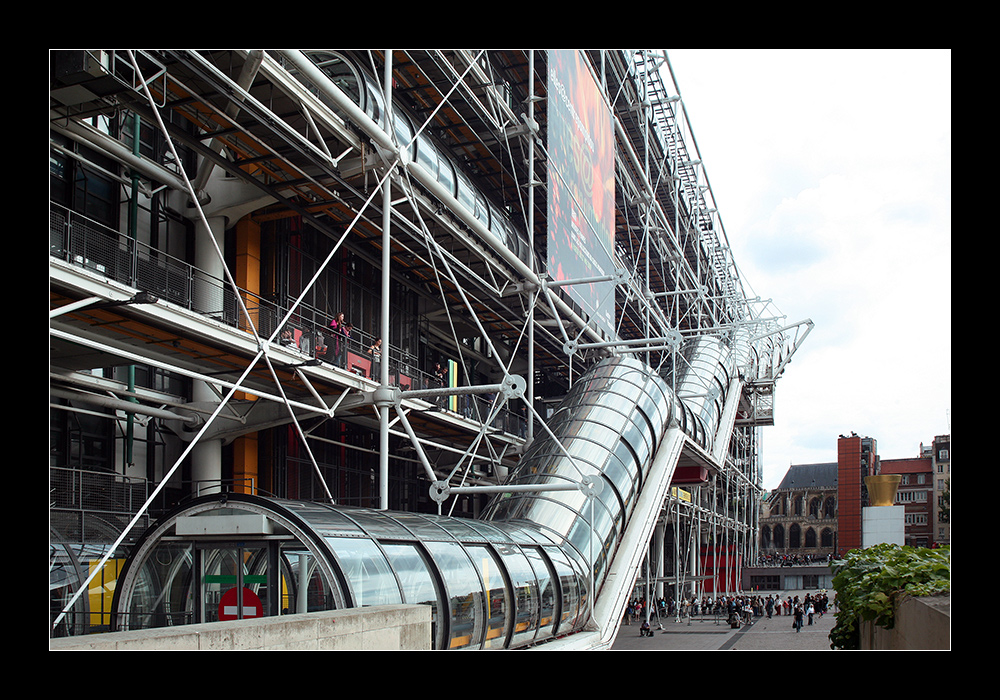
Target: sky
point(831, 171)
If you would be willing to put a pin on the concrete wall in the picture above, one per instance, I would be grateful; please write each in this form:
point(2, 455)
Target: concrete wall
point(387, 628)
point(921, 623)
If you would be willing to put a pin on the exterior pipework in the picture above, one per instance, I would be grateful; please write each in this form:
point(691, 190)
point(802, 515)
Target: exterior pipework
point(557, 543)
point(704, 370)
point(609, 425)
point(520, 575)
point(359, 86)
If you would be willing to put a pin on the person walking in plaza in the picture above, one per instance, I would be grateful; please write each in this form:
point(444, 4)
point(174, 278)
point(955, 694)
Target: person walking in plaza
point(798, 618)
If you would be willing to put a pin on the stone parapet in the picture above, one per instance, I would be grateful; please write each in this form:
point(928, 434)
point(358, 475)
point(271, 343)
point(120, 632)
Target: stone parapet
point(376, 628)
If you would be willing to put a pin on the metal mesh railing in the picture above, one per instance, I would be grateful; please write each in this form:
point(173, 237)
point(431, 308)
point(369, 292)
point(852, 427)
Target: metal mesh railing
point(102, 492)
point(83, 242)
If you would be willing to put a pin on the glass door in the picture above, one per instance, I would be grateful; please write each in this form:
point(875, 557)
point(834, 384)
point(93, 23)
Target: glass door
point(234, 580)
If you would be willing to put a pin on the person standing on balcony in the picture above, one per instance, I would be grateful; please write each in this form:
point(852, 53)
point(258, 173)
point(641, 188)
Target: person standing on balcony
point(376, 352)
point(339, 343)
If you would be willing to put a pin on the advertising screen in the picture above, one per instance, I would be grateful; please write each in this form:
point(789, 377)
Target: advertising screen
point(581, 185)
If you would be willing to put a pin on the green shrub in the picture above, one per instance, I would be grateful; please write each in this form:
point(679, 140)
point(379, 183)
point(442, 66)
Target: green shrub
point(872, 582)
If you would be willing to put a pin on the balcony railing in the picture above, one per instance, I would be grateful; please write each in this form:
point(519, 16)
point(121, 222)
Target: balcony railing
point(83, 242)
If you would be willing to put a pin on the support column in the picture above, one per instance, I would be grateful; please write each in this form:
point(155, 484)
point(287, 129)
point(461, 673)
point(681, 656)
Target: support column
point(658, 540)
point(247, 276)
point(383, 409)
point(206, 456)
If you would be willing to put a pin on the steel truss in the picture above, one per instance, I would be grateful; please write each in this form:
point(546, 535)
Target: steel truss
point(277, 128)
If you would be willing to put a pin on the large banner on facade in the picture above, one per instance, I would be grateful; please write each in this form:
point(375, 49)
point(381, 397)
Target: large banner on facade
point(581, 193)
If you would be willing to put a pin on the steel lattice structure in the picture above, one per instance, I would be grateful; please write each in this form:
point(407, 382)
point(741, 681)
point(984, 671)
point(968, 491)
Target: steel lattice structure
point(447, 201)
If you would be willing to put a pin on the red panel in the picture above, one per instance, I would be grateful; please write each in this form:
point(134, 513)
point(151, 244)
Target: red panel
point(359, 364)
point(689, 475)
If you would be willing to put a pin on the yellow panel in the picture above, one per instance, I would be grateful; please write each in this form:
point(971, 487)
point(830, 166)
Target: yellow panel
point(102, 590)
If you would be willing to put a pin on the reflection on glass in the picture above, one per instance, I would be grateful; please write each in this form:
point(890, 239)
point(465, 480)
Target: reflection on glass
point(525, 592)
point(415, 580)
point(306, 590)
point(162, 593)
point(367, 571)
point(496, 596)
point(568, 583)
point(465, 595)
point(547, 600)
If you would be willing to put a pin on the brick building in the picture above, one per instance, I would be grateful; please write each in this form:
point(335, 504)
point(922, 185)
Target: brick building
point(916, 492)
point(857, 457)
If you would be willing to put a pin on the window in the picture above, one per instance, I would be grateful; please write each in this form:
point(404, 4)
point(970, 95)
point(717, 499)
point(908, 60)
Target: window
point(465, 594)
point(371, 580)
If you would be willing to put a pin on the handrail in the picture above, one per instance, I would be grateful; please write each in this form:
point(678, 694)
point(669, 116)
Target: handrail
point(84, 242)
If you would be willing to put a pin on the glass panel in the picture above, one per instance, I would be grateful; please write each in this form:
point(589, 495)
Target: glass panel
point(379, 525)
point(496, 596)
point(301, 594)
point(218, 575)
point(569, 590)
point(525, 591)
point(539, 510)
point(403, 132)
point(375, 102)
point(161, 595)
point(367, 572)
point(497, 225)
point(547, 598)
point(446, 174)
point(322, 519)
point(481, 211)
point(465, 595)
point(340, 72)
point(466, 194)
point(421, 527)
point(461, 529)
point(415, 581)
point(490, 532)
point(427, 155)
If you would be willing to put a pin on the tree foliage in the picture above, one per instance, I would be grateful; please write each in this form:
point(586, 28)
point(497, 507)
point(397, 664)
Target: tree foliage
point(872, 582)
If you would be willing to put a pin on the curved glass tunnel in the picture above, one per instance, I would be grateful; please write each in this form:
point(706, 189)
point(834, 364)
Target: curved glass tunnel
point(516, 577)
point(488, 586)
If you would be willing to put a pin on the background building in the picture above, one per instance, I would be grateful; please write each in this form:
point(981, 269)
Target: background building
point(211, 214)
point(799, 520)
point(941, 501)
point(805, 517)
point(916, 493)
point(857, 457)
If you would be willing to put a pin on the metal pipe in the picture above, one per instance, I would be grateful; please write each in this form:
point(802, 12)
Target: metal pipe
point(532, 183)
point(91, 137)
point(514, 488)
point(416, 445)
point(383, 417)
point(254, 59)
point(513, 387)
point(384, 140)
point(122, 405)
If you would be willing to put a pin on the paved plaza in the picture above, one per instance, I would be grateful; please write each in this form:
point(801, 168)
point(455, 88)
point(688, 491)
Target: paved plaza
point(714, 634)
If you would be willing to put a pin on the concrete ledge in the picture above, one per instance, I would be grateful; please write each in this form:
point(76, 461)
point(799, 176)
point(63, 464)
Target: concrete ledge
point(921, 623)
point(376, 628)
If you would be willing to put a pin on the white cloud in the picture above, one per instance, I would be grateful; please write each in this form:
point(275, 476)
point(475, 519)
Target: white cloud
point(831, 170)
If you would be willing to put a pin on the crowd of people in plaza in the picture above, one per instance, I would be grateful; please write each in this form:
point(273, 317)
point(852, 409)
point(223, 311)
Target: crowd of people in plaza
point(736, 609)
point(779, 559)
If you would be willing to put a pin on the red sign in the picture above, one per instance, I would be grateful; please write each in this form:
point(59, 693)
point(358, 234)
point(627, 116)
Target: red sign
point(228, 605)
